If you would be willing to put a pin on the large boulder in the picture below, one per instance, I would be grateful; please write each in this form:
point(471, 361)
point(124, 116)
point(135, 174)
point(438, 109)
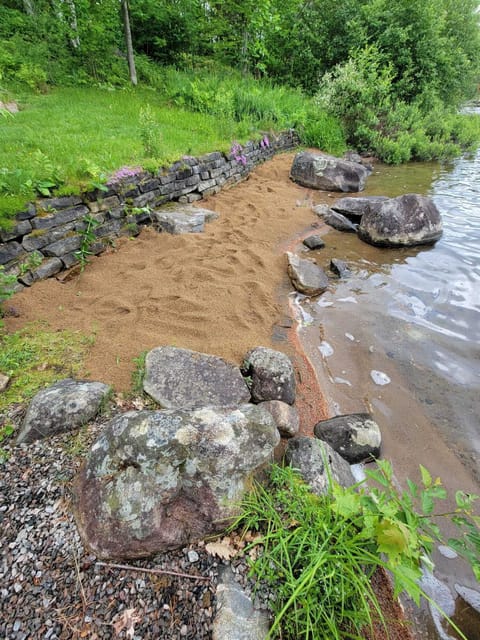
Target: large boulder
point(64, 406)
point(405, 221)
point(182, 218)
point(183, 379)
point(353, 207)
point(306, 276)
point(271, 374)
point(317, 462)
point(327, 173)
point(157, 480)
point(356, 437)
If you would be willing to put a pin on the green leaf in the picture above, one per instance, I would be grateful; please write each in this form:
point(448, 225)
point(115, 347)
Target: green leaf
point(392, 537)
point(412, 487)
point(426, 477)
point(347, 504)
point(427, 503)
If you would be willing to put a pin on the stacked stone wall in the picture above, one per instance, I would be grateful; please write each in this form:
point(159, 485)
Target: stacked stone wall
point(47, 235)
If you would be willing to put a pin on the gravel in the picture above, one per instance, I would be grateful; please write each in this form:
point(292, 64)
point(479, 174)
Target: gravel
point(51, 588)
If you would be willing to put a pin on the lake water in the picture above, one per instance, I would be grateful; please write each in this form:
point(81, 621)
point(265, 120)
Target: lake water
point(401, 338)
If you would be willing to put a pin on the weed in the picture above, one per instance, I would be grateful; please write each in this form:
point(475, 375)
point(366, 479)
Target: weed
point(33, 261)
point(6, 288)
point(138, 373)
point(320, 552)
point(88, 238)
point(150, 133)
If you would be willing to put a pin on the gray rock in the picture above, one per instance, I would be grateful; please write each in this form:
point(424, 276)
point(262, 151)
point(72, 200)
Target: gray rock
point(317, 462)
point(158, 480)
point(334, 219)
point(321, 171)
point(272, 375)
point(47, 269)
point(314, 242)
point(9, 251)
point(356, 207)
point(57, 219)
point(356, 437)
point(20, 229)
point(286, 417)
point(406, 221)
point(64, 406)
point(340, 268)
point(4, 380)
point(306, 276)
point(237, 618)
point(60, 203)
point(62, 247)
point(180, 378)
point(182, 218)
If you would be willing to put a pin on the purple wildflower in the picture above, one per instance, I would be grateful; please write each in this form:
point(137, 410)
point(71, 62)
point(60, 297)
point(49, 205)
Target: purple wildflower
point(123, 173)
point(238, 156)
point(265, 142)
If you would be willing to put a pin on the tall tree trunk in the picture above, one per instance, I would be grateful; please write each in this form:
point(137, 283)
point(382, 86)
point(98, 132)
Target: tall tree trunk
point(128, 42)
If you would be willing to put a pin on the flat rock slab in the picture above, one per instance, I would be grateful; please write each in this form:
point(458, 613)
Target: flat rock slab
point(406, 221)
point(183, 379)
point(179, 219)
point(157, 480)
point(65, 406)
point(356, 207)
point(306, 276)
point(271, 374)
point(334, 219)
point(327, 173)
point(316, 462)
point(356, 437)
point(340, 268)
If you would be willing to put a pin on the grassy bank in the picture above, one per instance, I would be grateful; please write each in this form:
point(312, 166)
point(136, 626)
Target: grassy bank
point(72, 138)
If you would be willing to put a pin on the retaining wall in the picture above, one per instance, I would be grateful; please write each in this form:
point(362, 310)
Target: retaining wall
point(46, 236)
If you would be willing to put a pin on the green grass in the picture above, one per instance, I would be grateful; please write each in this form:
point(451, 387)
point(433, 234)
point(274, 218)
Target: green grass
point(74, 137)
point(35, 357)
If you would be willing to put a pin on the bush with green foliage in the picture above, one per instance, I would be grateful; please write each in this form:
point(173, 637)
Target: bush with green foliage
point(318, 553)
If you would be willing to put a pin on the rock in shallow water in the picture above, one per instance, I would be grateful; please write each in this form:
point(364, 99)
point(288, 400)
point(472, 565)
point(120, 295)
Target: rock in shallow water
point(306, 276)
point(356, 437)
point(405, 221)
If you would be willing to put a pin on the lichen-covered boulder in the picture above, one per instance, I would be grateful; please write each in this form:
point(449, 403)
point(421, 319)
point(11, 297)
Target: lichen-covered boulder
point(405, 221)
point(356, 437)
point(306, 276)
point(64, 406)
point(271, 374)
point(317, 462)
point(183, 379)
point(327, 173)
point(158, 480)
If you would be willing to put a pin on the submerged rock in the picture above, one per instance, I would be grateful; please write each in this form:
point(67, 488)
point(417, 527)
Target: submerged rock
point(334, 219)
point(158, 480)
point(314, 242)
point(321, 171)
point(357, 207)
point(405, 221)
point(340, 268)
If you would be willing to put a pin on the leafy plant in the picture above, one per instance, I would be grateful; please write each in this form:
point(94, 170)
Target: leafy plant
point(138, 373)
point(88, 237)
point(6, 291)
point(32, 261)
point(150, 132)
point(320, 552)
